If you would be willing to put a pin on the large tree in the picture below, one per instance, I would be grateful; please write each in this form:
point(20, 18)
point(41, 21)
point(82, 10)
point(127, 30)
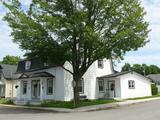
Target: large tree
point(11, 60)
point(78, 31)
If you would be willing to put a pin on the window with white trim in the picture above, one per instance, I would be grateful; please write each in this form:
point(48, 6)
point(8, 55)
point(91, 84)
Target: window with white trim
point(27, 65)
point(49, 86)
point(131, 84)
point(100, 63)
point(24, 87)
point(81, 86)
point(101, 85)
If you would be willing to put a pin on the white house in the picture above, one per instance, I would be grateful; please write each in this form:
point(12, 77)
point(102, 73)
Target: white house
point(39, 81)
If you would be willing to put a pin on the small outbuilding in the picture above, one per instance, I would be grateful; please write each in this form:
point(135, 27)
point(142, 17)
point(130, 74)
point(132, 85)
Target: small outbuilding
point(124, 85)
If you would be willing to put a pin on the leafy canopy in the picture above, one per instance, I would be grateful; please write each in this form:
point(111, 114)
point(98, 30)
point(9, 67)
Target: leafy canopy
point(56, 29)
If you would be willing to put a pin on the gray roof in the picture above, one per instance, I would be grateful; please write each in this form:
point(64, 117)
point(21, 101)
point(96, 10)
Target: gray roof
point(36, 64)
point(154, 77)
point(8, 71)
point(121, 73)
point(33, 75)
point(114, 74)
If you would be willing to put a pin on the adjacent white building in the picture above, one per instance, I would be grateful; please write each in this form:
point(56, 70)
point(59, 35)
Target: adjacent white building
point(7, 81)
point(39, 81)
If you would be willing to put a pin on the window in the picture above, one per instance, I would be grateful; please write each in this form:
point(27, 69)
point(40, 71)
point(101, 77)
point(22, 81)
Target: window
point(101, 85)
point(27, 65)
point(81, 86)
point(24, 87)
point(131, 84)
point(50, 86)
point(100, 63)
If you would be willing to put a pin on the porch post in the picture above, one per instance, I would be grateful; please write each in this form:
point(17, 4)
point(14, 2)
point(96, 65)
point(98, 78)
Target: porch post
point(19, 90)
point(42, 88)
point(29, 93)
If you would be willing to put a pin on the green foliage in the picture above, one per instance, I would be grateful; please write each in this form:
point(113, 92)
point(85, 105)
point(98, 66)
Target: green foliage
point(142, 69)
point(154, 89)
point(126, 67)
point(11, 60)
point(60, 104)
point(99, 29)
point(79, 32)
point(5, 101)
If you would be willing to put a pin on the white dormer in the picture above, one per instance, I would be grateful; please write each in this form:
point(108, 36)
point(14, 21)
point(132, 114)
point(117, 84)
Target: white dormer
point(27, 65)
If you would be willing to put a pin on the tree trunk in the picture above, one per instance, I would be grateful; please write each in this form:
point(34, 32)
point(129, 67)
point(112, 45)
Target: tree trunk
point(76, 91)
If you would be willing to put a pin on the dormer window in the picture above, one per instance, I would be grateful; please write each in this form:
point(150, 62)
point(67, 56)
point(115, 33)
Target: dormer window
point(100, 63)
point(27, 65)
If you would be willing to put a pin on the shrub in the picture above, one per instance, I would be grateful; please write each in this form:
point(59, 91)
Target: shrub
point(5, 101)
point(154, 89)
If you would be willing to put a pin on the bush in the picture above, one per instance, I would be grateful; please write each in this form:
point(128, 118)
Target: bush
point(5, 101)
point(154, 89)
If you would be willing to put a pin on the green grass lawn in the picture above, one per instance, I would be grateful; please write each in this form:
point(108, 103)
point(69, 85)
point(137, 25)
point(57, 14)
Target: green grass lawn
point(70, 105)
point(58, 104)
point(139, 98)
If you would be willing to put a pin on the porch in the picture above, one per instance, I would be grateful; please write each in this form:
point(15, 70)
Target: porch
point(109, 88)
point(35, 87)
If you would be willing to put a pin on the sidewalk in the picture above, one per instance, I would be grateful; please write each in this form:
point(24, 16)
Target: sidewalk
point(87, 108)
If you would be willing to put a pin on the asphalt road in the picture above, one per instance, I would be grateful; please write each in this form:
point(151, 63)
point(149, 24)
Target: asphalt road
point(142, 111)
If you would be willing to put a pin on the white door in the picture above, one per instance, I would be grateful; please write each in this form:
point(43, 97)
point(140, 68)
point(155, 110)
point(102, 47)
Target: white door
point(35, 89)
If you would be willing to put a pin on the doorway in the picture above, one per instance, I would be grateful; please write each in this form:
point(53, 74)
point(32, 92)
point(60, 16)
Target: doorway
point(35, 89)
point(111, 88)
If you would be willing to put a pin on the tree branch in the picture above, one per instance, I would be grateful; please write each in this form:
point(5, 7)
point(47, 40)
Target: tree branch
point(67, 69)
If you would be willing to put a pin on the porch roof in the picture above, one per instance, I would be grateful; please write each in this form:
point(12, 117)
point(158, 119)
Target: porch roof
point(34, 75)
point(114, 75)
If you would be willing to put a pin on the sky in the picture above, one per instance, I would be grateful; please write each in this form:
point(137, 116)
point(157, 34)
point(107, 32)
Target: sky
point(150, 54)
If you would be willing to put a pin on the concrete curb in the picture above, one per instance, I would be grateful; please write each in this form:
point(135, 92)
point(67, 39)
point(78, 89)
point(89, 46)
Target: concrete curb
point(86, 108)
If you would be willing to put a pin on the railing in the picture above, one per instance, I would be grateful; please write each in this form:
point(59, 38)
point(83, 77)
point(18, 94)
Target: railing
point(109, 94)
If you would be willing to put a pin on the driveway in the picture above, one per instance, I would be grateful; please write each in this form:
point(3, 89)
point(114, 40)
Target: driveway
point(143, 111)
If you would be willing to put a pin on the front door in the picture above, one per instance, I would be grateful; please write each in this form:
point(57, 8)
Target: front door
point(111, 86)
point(35, 89)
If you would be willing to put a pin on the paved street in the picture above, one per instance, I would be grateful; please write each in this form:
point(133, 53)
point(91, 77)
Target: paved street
point(142, 111)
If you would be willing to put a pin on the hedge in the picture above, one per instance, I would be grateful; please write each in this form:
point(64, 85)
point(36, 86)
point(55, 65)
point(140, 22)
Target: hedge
point(154, 89)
